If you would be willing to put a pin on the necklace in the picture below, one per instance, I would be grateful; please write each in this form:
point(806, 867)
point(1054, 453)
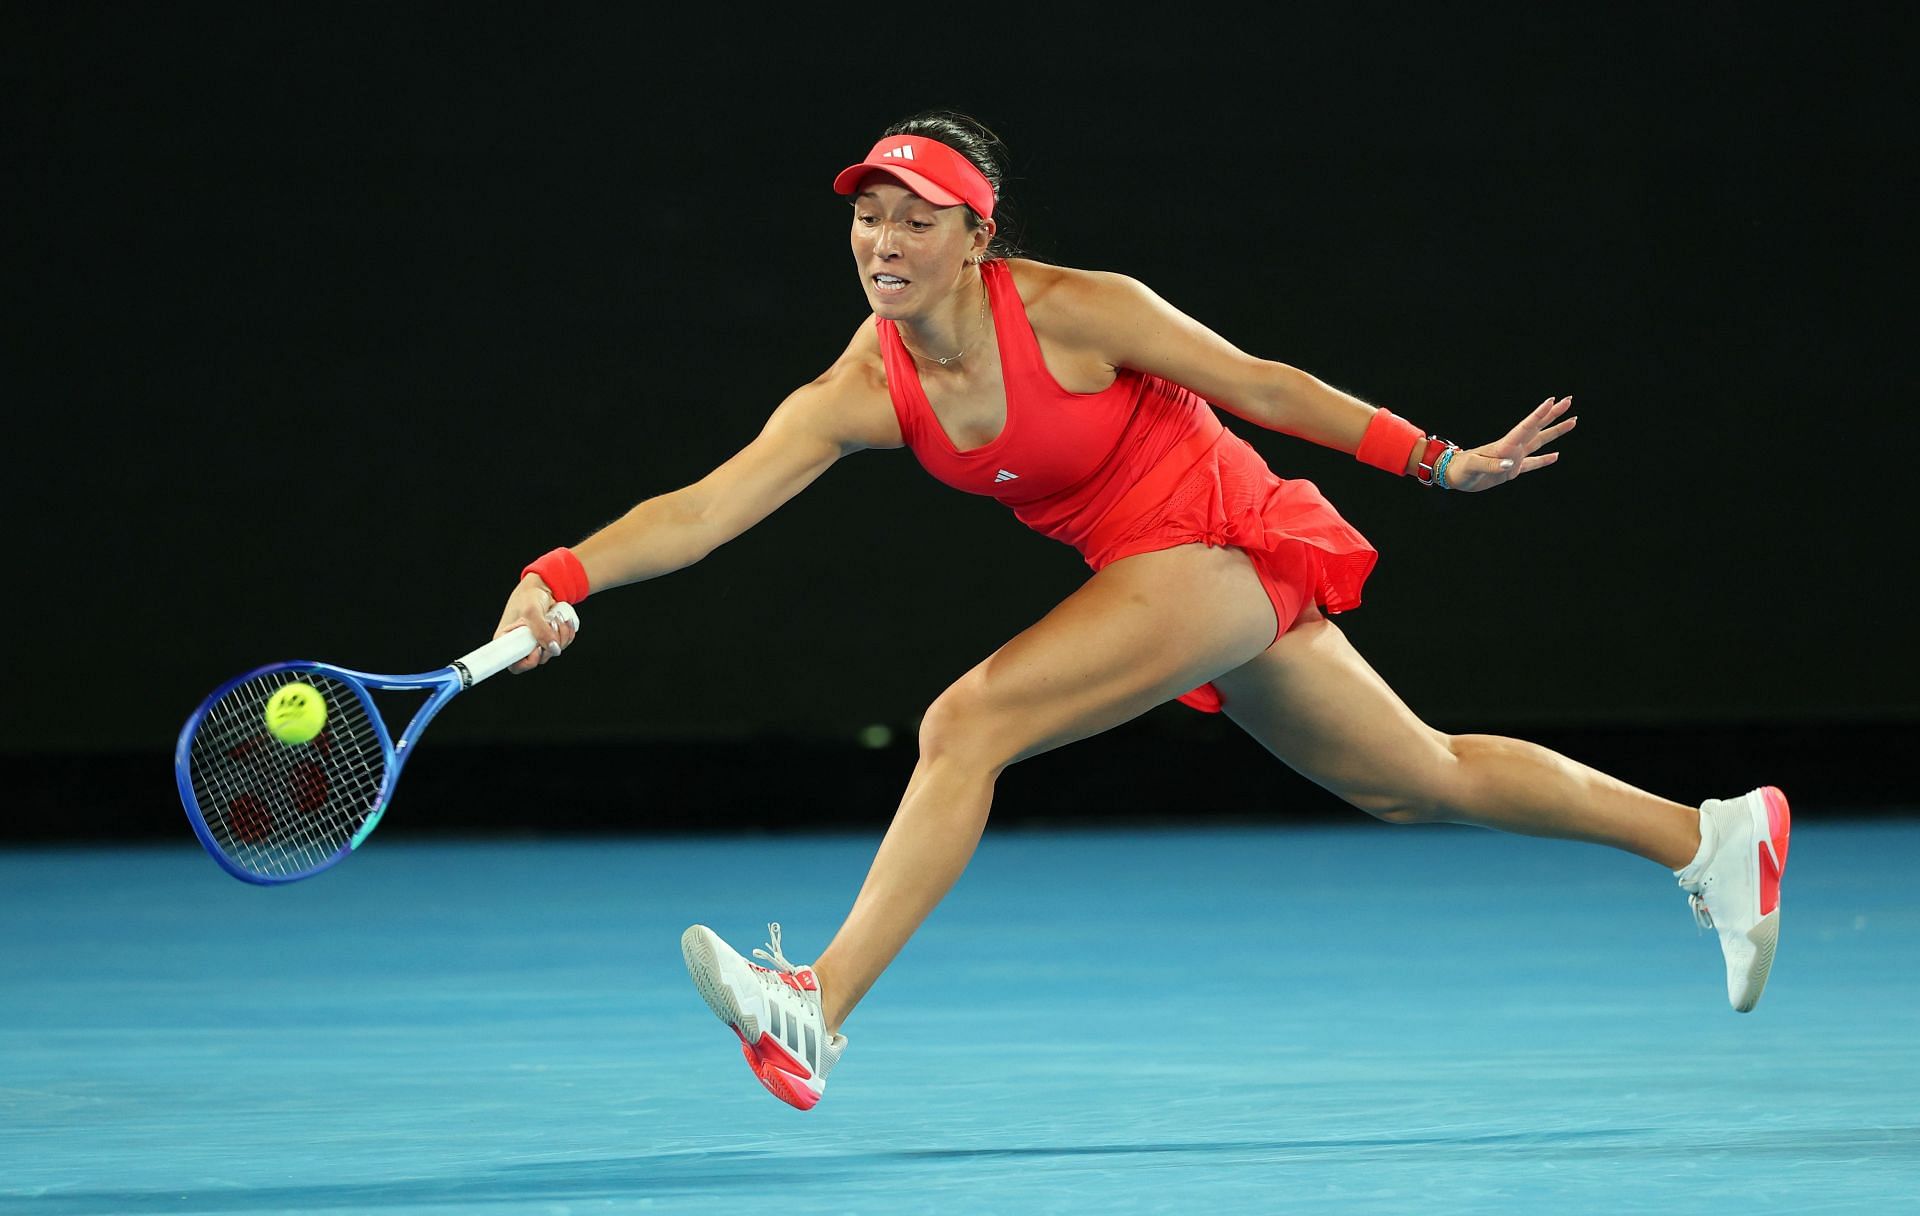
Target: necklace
point(956, 356)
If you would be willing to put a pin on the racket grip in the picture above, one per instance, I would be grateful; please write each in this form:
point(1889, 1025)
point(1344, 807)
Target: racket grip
point(507, 649)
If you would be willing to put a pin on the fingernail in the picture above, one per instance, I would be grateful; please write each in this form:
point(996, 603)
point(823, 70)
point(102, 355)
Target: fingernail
point(1506, 464)
point(553, 648)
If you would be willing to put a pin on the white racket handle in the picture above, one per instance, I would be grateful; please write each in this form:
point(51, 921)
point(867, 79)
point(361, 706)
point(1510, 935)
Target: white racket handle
point(507, 649)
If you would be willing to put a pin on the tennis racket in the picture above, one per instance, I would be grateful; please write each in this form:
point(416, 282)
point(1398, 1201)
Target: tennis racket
point(271, 812)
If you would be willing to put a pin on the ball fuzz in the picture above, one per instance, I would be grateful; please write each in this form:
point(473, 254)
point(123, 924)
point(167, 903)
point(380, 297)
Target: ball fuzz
point(296, 713)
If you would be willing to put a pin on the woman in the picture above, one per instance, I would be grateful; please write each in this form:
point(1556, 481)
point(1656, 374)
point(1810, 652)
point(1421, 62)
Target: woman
point(1081, 400)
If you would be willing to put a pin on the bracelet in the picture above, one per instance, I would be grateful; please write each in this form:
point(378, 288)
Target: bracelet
point(1440, 467)
point(563, 574)
point(1388, 442)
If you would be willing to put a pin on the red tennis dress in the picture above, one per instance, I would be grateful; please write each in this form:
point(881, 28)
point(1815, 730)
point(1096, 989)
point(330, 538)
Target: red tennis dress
point(1144, 464)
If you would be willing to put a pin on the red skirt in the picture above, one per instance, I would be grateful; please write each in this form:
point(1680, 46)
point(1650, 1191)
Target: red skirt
point(1216, 490)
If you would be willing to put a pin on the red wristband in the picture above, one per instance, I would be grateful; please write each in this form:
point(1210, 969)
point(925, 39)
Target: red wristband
point(1388, 443)
point(563, 574)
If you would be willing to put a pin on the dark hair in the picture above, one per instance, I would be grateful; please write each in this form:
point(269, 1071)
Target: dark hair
point(970, 138)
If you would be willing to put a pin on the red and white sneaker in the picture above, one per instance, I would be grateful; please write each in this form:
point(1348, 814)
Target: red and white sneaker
point(1734, 884)
point(776, 1012)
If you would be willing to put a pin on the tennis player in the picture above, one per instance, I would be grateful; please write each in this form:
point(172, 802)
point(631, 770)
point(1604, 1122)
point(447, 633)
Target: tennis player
point(1085, 403)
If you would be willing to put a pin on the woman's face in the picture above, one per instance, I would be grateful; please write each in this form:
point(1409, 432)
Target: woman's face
point(910, 253)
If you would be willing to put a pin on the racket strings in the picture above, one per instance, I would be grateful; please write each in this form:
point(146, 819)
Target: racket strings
point(278, 809)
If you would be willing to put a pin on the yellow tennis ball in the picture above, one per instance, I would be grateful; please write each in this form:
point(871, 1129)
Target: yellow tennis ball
point(296, 713)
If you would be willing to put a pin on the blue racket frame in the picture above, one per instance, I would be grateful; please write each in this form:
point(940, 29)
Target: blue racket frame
point(441, 686)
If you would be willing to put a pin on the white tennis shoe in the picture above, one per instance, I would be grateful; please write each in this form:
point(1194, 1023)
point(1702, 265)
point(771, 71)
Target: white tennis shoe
point(776, 1012)
point(1734, 884)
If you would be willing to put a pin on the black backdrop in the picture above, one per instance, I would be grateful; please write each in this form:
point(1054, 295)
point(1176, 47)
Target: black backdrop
point(324, 323)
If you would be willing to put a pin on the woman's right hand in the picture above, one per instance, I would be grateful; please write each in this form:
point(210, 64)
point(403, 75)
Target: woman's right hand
point(530, 605)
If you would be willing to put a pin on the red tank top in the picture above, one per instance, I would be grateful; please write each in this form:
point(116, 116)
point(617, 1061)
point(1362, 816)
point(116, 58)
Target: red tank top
point(1062, 460)
point(1142, 465)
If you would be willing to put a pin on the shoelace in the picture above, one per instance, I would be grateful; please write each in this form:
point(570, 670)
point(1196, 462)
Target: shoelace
point(771, 954)
point(1701, 916)
point(778, 959)
point(1697, 899)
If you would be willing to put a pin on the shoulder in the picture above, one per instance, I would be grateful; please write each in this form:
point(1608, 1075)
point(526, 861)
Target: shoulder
point(1121, 322)
point(850, 398)
point(1070, 302)
point(860, 370)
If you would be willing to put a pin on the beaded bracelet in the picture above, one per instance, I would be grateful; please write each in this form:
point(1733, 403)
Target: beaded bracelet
point(1433, 460)
point(1440, 467)
point(1428, 457)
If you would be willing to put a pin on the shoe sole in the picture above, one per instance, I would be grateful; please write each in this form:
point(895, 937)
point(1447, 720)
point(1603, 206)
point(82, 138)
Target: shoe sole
point(1772, 820)
point(698, 946)
point(1764, 936)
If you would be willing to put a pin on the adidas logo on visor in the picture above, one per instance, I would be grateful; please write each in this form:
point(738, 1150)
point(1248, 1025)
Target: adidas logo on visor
point(903, 152)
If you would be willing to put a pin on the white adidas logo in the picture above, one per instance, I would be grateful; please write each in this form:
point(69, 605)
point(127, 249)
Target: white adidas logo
point(903, 152)
point(1003, 475)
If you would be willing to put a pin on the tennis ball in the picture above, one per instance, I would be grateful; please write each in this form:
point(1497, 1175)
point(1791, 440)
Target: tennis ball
point(296, 713)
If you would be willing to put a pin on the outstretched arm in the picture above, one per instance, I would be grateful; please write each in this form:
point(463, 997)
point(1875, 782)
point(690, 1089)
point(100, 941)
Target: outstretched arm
point(1132, 327)
point(843, 411)
point(804, 436)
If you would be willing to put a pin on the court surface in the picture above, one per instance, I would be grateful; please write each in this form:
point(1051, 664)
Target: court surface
point(1294, 1019)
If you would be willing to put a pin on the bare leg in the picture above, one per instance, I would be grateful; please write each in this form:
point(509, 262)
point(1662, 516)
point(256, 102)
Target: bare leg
point(1138, 633)
point(1314, 702)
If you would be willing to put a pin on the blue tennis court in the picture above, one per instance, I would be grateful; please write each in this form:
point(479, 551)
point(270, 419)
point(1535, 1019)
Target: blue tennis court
point(1297, 1019)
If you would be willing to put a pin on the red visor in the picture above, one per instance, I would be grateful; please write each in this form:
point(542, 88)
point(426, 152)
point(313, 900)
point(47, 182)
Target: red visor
point(927, 167)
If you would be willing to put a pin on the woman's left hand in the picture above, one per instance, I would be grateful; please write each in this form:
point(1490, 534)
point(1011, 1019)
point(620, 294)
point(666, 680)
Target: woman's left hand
point(1492, 464)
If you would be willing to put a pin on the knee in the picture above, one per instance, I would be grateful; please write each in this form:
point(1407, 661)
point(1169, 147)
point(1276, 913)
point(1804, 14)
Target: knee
point(960, 726)
point(1393, 809)
point(1416, 795)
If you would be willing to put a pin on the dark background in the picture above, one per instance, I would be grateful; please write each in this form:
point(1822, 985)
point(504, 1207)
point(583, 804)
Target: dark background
point(322, 324)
